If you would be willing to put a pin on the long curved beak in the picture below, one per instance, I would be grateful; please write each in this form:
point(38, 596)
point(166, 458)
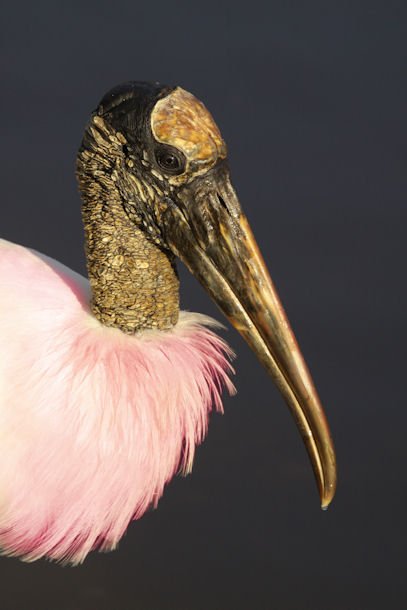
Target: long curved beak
point(208, 231)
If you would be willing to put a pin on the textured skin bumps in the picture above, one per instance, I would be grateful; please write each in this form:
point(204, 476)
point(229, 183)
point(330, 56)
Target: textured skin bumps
point(134, 282)
point(131, 269)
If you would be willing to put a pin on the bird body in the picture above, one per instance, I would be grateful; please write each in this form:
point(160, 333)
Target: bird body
point(93, 421)
point(105, 386)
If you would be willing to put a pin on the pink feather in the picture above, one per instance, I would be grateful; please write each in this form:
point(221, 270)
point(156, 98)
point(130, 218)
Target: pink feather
point(93, 422)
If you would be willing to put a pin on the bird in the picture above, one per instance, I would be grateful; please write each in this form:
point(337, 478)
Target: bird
point(106, 387)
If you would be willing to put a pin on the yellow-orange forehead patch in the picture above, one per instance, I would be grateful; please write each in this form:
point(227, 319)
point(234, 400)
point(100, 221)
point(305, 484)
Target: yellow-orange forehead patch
point(181, 120)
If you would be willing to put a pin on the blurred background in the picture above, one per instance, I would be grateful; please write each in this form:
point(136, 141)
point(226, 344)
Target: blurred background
point(311, 99)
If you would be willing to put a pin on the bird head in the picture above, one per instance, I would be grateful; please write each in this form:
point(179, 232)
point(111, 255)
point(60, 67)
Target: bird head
point(169, 162)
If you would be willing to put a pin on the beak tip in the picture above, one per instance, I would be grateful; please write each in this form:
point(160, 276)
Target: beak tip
point(327, 497)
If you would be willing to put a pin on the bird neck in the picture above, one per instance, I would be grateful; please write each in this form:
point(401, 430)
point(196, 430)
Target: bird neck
point(134, 282)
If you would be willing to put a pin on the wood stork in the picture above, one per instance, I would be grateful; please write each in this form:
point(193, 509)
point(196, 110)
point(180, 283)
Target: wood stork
point(105, 386)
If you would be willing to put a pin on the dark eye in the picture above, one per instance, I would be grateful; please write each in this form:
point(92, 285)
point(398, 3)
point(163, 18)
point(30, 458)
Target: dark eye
point(171, 160)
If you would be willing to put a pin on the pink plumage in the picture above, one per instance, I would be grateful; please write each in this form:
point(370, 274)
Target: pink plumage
point(93, 422)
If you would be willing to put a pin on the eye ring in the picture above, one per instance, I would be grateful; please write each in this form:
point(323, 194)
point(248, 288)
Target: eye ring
point(170, 159)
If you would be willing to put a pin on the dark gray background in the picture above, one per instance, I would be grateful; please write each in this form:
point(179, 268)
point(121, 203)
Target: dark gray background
point(311, 99)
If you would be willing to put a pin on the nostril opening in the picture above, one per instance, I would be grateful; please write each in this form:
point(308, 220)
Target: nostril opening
point(222, 202)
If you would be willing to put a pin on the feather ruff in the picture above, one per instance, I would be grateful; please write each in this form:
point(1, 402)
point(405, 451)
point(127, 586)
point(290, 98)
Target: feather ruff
point(93, 422)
